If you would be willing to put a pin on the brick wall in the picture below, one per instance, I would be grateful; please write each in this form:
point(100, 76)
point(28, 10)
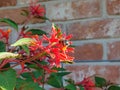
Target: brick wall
point(95, 25)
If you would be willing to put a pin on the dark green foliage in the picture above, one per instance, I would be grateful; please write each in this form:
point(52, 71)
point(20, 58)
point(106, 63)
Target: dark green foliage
point(37, 31)
point(26, 49)
point(2, 46)
point(27, 85)
point(56, 79)
point(114, 87)
point(99, 81)
point(71, 87)
point(10, 22)
point(8, 80)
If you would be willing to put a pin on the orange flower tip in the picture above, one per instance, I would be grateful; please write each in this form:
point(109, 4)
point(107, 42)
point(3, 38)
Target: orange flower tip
point(33, 42)
point(9, 30)
point(64, 48)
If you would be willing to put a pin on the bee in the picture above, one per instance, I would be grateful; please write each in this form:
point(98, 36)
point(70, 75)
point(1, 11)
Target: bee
point(64, 42)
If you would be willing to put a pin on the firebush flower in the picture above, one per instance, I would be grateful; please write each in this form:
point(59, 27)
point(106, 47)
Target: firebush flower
point(87, 83)
point(57, 48)
point(36, 9)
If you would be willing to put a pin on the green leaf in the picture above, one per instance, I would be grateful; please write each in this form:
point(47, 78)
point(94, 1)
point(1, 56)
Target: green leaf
point(23, 41)
point(26, 49)
point(2, 46)
point(36, 74)
point(37, 31)
point(8, 80)
point(43, 62)
point(81, 88)
point(100, 81)
point(58, 69)
point(55, 81)
point(27, 85)
point(6, 65)
point(71, 81)
point(34, 66)
point(62, 73)
point(10, 22)
point(7, 55)
point(114, 87)
point(27, 76)
point(43, 17)
point(71, 87)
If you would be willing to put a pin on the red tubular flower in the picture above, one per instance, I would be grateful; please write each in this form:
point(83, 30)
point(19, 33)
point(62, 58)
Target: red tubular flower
point(87, 83)
point(5, 34)
point(36, 44)
point(36, 9)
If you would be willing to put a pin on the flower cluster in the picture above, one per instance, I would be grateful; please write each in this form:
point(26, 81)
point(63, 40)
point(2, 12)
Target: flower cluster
point(55, 50)
point(36, 9)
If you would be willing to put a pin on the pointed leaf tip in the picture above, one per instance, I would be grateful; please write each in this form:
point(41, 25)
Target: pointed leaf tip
point(7, 55)
point(10, 22)
point(23, 41)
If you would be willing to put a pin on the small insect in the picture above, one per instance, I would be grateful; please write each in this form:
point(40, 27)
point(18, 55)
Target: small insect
point(64, 42)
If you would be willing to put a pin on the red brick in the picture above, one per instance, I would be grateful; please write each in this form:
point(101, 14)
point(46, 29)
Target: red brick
point(109, 72)
point(90, 51)
point(73, 9)
point(114, 50)
point(104, 28)
point(28, 1)
point(15, 15)
point(24, 1)
point(113, 7)
point(4, 3)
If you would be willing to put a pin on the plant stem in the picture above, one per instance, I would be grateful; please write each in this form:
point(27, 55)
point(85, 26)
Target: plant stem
point(27, 60)
point(43, 86)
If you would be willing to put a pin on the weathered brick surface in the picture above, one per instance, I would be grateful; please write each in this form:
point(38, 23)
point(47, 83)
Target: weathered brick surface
point(73, 9)
point(104, 28)
point(15, 15)
point(4, 3)
point(109, 72)
point(21, 2)
point(48, 27)
point(113, 7)
point(114, 50)
point(91, 51)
